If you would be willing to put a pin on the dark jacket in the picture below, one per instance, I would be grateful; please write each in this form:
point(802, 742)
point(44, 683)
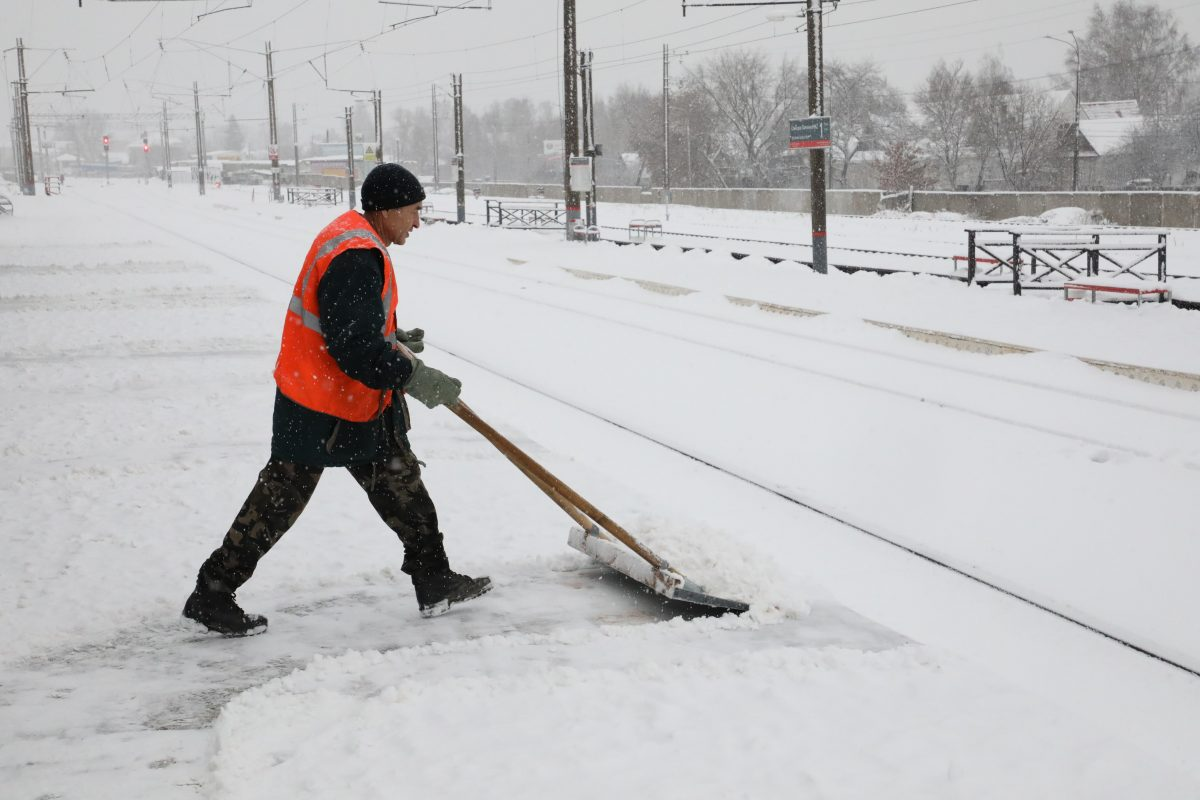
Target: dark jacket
point(351, 321)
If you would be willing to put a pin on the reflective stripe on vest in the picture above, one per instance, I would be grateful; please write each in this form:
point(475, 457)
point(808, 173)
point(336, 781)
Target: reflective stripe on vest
point(313, 321)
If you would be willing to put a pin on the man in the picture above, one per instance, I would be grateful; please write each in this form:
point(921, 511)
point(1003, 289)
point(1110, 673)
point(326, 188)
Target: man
point(342, 370)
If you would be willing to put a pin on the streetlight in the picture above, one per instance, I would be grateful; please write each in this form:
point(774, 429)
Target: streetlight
point(1075, 156)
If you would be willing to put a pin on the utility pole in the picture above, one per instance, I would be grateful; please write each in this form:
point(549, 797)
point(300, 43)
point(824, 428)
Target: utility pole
point(816, 157)
point(667, 130)
point(146, 154)
point(590, 148)
point(25, 163)
point(1075, 154)
point(200, 157)
point(41, 148)
point(377, 103)
point(166, 128)
point(14, 127)
point(273, 145)
point(437, 181)
point(350, 154)
point(460, 181)
point(295, 145)
point(570, 114)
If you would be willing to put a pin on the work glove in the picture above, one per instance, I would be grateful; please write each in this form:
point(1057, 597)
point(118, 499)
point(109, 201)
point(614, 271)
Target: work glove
point(431, 386)
point(413, 339)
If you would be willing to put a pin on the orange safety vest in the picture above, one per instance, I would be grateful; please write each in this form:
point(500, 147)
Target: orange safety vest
point(304, 371)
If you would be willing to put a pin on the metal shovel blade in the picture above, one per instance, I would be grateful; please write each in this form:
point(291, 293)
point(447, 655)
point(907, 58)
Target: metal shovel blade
point(665, 582)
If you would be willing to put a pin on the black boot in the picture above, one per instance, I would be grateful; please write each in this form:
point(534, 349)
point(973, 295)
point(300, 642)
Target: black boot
point(218, 611)
point(437, 592)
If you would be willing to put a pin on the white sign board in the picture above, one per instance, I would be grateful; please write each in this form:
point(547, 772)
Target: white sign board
point(581, 173)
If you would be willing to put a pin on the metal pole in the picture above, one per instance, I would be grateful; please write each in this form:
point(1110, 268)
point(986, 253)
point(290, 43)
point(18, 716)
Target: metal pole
point(350, 154)
point(41, 155)
point(460, 179)
point(589, 129)
point(14, 126)
point(199, 138)
point(295, 145)
point(273, 146)
point(437, 180)
point(1075, 155)
point(167, 146)
point(816, 108)
point(25, 172)
point(667, 130)
point(570, 114)
point(377, 99)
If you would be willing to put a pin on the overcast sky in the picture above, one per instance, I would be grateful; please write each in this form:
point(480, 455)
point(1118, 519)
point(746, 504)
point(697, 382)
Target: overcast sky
point(135, 53)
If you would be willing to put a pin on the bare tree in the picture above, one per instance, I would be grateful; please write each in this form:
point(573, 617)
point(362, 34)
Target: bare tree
point(1136, 51)
point(1026, 138)
point(993, 83)
point(637, 128)
point(945, 102)
point(504, 142)
point(701, 155)
point(753, 100)
point(867, 112)
point(416, 140)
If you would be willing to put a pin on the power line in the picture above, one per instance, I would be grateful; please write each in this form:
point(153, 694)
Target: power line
point(901, 14)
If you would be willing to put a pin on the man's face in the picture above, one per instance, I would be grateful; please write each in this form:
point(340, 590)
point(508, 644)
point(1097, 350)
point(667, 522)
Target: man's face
point(399, 222)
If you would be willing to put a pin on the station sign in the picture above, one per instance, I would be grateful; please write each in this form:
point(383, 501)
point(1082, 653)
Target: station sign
point(809, 133)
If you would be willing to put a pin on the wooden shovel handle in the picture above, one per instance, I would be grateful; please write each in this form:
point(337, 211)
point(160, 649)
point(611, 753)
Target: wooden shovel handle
point(581, 519)
point(554, 488)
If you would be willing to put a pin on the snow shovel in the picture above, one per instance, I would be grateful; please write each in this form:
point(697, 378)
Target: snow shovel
point(633, 560)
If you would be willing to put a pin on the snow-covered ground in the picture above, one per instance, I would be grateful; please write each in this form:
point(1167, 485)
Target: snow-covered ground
point(919, 242)
point(139, 332)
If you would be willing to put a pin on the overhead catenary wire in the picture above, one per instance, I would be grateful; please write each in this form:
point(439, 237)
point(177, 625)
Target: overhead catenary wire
point(485, 86)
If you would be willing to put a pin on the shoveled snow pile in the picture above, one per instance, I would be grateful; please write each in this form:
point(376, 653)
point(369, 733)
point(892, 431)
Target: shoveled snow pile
point(1065, 216)
point(716, 708)
point(1072, 215)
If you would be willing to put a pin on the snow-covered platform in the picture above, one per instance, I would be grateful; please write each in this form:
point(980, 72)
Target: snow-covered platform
point(139, 339)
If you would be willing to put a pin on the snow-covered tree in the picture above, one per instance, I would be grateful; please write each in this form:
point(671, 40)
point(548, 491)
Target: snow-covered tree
point(1136, 51)
point(902, 167)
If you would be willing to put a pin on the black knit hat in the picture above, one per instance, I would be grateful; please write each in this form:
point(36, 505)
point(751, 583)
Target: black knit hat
point(390, 186)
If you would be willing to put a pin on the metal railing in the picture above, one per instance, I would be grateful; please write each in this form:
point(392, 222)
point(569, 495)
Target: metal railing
point(526, 216)
point(1045, 257)
point(315, 196)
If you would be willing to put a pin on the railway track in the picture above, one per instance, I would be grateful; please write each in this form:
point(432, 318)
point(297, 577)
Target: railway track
point(963, 571)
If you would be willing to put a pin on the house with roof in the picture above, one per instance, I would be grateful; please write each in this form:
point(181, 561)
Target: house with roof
point(1105, 126)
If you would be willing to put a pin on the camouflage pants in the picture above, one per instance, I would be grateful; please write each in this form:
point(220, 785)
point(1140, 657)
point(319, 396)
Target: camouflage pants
point(393, 487)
